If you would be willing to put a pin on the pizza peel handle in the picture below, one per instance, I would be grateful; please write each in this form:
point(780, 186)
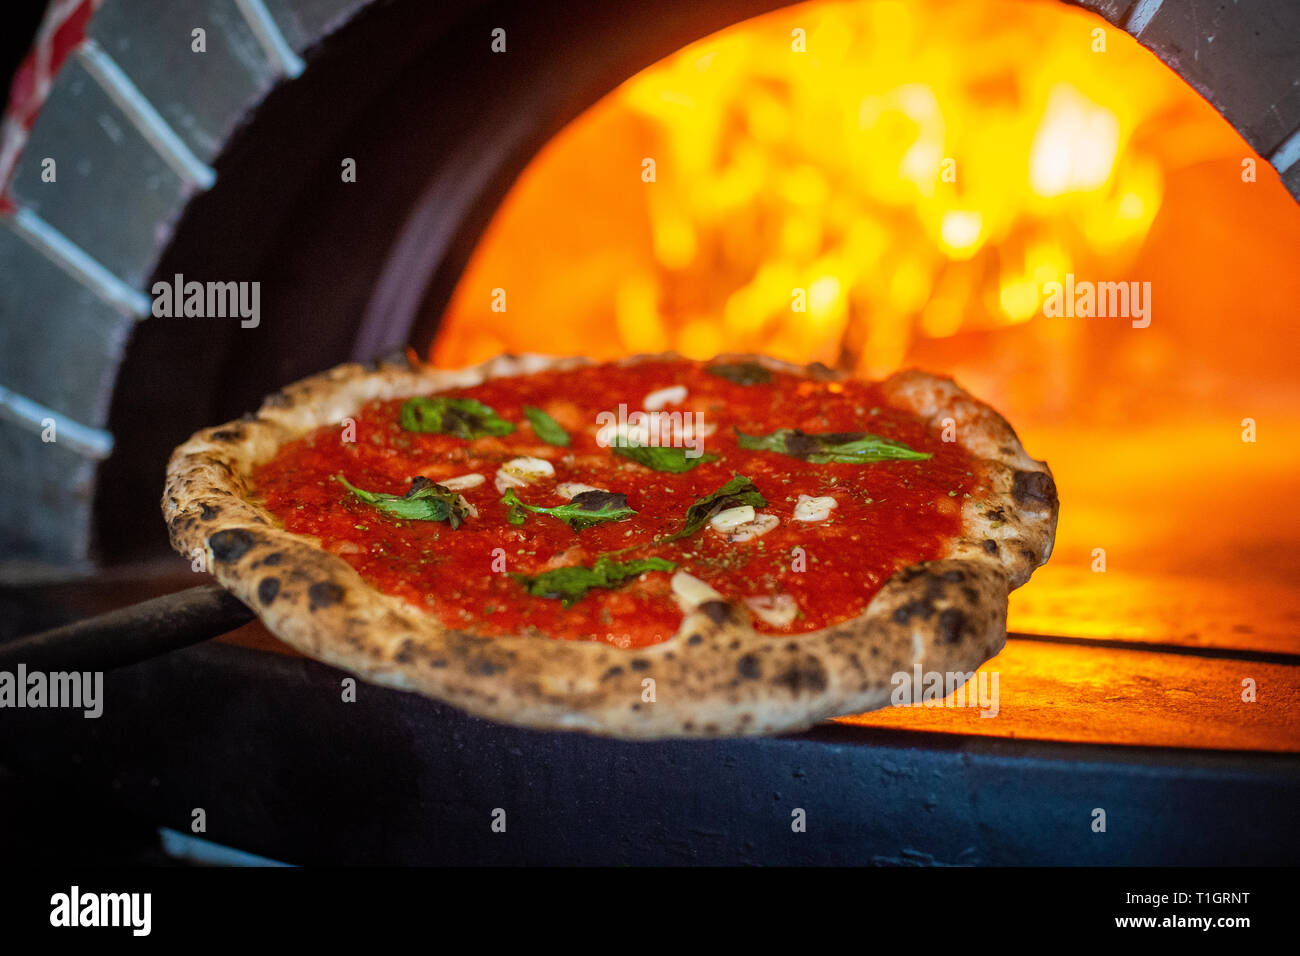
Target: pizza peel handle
point(130, 634)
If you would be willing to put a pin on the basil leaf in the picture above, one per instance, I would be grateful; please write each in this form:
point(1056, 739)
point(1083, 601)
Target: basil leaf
point(586, 509)
point(741, 373)
point(571, 584)
point(425, 501)
point(546, 427)
point(660, 457)
point(849, 448)
point(735, 493)
point(462, 417)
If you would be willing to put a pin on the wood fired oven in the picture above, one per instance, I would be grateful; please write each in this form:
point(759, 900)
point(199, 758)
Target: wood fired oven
point(482, 164)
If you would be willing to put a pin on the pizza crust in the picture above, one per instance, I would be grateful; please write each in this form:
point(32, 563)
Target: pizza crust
point(716, 677)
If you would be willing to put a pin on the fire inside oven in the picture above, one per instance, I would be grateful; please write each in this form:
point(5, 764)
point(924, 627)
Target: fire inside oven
point(867, 186)
point(1018, 194)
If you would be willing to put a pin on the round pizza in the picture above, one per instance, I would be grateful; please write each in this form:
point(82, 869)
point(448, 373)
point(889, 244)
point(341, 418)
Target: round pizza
point(654, 547)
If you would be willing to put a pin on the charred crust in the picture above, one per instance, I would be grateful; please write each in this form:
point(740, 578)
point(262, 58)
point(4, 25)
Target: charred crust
point(806, 676)
point(749, 667)
point(1034, 488)
point(267, 589)
point(231, 544)
point(719, 612)
point(695, 639)
point(323, 594)
point(951, 624)
point(274, 558)
point(919, 607)
point(1029, 555)
point(613, 672)
point(990, 546)
point(228, 434)
point(821, 373)
point(996, 514)
point(639, 664)
point(207, 512)
point(406, 652)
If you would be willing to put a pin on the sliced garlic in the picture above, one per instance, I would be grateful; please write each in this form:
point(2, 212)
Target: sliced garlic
point(571, 489)
point(761, 525)
point(777, 610)
point(470, 510)
point(673, 395)
point(691, 592)
point(518, 472)
point(463, 482)
point(505, 480)
point(808, 508)
point(732, 518)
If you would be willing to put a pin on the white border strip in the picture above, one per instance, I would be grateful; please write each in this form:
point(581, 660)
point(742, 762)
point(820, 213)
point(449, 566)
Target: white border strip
point(268, 34)
point(144, 117)
point(21, 410)
point(1141, 15)
point(1286, 155)
point(73, 260)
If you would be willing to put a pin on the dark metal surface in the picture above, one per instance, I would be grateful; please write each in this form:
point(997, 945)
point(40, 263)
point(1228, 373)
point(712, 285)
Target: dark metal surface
point(130, 634)
point(285, 767)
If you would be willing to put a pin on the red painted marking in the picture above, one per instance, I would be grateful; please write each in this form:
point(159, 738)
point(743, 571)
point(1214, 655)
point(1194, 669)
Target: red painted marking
point(61, 33)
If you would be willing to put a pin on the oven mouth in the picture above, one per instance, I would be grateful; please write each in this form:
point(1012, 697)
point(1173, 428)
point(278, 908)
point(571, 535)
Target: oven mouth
point(1120, 180)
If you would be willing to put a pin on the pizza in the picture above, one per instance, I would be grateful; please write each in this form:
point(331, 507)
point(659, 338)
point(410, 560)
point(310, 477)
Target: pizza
point(648, 548)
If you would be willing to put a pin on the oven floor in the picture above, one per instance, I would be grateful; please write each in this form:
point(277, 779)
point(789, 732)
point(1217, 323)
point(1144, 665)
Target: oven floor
point(1156, 735)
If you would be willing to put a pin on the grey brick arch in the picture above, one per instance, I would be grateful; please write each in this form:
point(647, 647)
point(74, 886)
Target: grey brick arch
point(151, 141)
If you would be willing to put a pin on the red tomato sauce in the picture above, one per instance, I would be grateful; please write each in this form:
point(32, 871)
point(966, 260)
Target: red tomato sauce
point(889, 514)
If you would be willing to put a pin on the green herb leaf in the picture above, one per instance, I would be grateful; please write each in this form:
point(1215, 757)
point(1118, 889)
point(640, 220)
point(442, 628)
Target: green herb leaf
point(426, 501)
point(742, 373)
point(571, 584)
point(737, 492)
point(850, 448)
point(546, 427)
point(462, 417)
point(660, 457)
point(586, 509)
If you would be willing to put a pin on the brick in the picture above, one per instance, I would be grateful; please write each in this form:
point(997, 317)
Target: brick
point(45, 512)
point(113, 191)
point(1243, 58)
point(305, 22)
point(59, 343)
point(202, 96)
